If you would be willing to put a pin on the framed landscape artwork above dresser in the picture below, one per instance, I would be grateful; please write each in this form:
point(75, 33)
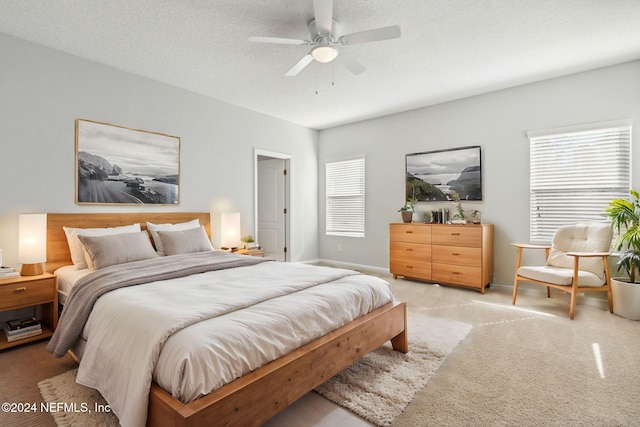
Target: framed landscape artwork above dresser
point(434, 176)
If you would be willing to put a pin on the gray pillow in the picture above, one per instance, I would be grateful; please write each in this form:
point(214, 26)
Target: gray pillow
point(104, 251)
point(185, 241)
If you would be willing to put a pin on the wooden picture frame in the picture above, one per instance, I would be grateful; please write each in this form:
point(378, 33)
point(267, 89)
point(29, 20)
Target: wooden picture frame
point(124, 166)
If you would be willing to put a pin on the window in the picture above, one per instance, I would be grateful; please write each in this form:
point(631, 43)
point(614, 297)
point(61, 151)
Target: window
point(345, 198)
point(574, 176)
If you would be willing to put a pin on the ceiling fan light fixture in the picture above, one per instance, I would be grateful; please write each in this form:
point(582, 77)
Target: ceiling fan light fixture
point(324, 53)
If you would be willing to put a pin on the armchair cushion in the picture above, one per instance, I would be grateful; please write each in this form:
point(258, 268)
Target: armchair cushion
point(561, 275)
point(581, 238)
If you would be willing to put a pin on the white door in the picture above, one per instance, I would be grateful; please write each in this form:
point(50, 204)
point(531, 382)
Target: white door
point(271, 208)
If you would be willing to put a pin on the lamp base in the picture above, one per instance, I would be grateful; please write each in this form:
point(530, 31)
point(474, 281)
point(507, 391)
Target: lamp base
point(31, 269)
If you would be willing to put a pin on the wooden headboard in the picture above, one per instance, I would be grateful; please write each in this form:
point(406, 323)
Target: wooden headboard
point(58, 250)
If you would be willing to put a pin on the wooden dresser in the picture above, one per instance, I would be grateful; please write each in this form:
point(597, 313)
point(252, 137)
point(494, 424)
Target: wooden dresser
point(442, 253)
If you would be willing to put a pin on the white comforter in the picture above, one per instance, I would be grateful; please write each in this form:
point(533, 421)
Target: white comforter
point(255, 315)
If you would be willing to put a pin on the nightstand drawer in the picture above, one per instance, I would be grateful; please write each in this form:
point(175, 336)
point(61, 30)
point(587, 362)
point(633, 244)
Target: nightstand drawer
point(22, 293)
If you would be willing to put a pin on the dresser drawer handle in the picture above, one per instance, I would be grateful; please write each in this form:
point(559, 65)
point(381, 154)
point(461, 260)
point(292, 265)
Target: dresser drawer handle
point(455, 272)
point(409, 232)
point(455, 234)
point(410, 249)
point(455, 254)
point(409, 266)
point(22, 289)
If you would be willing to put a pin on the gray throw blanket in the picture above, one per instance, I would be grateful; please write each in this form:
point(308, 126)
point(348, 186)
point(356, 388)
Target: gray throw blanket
point(88, 289)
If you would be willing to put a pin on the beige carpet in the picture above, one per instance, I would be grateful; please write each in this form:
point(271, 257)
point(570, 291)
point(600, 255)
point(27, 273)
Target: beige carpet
point(377, 388)
point(383, 383)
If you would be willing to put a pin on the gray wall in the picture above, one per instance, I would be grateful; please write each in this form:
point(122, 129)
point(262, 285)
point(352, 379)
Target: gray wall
point(43, 91)
point(496, 121)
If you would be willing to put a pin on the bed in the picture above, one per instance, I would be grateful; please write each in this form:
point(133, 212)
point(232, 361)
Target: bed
point(257, 396)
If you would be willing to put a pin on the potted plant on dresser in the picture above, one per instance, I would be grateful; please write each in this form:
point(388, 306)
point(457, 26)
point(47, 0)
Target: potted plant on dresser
point(625, 220)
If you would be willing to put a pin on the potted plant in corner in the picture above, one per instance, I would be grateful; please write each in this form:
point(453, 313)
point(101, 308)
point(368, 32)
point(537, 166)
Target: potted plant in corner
point(625, 220)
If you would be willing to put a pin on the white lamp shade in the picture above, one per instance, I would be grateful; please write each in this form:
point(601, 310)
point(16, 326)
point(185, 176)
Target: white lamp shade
point(32, 238)
point(230, 230)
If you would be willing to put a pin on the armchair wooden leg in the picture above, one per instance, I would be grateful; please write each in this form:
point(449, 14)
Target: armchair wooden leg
point(515, 290)
point(572, 307)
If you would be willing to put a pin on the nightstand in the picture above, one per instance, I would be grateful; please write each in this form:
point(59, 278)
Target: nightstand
point(252, 252)
point(30, 291)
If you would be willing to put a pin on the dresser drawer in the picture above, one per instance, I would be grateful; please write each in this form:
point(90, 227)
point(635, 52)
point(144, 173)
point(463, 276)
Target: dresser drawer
point(411, 268)
point(23, 293)
point(451, 235)
point(457, 255)
point(411, 233)
point(457, 274)
point(410, 251)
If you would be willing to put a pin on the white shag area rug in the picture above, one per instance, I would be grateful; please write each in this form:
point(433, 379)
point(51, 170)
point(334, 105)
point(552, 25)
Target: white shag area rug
point(377, 388)
point(381, 385)
point(76, 405)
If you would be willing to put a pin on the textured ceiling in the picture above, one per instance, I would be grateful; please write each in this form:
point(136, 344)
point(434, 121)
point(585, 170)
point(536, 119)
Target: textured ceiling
point(449, 49)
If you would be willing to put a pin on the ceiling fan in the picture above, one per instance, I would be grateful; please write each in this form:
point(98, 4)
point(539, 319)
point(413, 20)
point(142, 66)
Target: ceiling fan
point(324, 30)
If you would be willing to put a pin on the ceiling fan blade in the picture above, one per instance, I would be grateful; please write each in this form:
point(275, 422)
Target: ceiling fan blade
point(385, 33)
point(277, 40)
point(323, 12)
point(351, 64)
point(300, 65)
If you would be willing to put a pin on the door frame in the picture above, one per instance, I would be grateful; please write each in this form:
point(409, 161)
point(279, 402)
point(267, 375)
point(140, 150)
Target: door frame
point(288, 199)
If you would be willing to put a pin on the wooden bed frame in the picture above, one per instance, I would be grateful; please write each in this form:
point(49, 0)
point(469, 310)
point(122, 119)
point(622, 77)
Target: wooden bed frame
point(258, 396)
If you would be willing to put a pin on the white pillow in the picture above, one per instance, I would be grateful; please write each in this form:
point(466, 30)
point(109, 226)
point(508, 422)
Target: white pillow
point(104, 251)
point(154, 228)
point(185, 241)
point(75, 247)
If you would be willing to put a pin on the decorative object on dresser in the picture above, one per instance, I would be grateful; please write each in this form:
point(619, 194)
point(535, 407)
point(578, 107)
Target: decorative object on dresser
point(442, 253)
point(119, 165)
point(30, 291)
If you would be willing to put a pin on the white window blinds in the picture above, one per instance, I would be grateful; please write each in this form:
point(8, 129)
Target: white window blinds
point(345, 197)
point(575, 175)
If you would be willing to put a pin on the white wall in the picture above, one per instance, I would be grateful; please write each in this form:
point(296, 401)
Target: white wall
point(496, 121)
point(43, 91)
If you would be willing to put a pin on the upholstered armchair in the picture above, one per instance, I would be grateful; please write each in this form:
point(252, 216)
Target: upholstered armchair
point(576, 262)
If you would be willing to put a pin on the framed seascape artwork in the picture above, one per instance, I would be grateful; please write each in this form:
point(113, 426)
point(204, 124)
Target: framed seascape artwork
point(118, 165)
point(439, 175)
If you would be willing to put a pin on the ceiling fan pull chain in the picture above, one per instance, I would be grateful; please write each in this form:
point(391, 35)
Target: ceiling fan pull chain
point(333, 73)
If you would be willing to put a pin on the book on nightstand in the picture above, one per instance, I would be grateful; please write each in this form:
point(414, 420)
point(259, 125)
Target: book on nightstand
point(22, 334)
point(8, 272)
point(14, 325)
point(22, 328)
